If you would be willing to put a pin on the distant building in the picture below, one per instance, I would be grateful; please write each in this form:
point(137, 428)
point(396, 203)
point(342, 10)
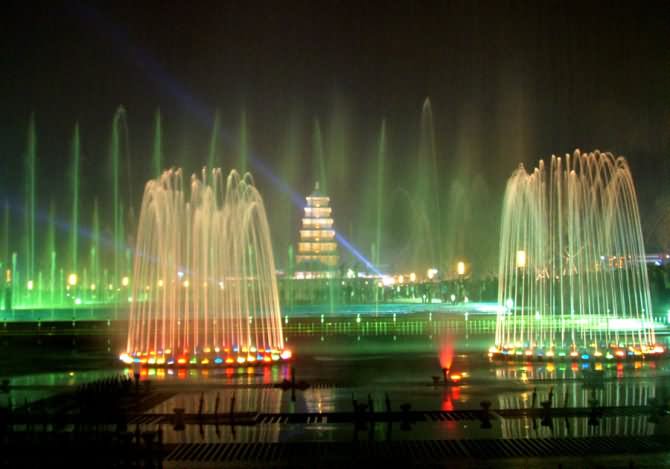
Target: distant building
point(317, 249)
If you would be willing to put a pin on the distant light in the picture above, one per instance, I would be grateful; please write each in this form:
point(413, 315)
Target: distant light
point(286, 354)
point(8, 275)
point(186, 283)
point(160, 283)
point(460, 268)
point(72, 280)
point(509, 304)
point(350, 273)
point(431, 273)
point(180, 274)
point(401, 278)
point(412, 277)
point(125, 281)
point(93, 287)
point(521, 259)
point(77, 301)
point(30, 285)
point(388, 280)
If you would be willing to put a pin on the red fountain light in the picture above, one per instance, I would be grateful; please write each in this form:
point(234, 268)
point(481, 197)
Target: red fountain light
point(446, 354)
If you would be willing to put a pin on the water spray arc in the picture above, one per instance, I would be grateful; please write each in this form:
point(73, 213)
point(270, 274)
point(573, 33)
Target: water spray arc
point(204, 284)
point(572, 273)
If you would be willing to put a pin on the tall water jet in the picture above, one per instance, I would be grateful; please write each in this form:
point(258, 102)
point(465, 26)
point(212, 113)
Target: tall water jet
point(50, 253)
point(74, 221)
point(381, 156)
point(31, 199)
point(243, 150)
point(572, 272)
point(4, 254)
point(427, 244)
point(115, 151)
point(204, 278)
point(157, 154)
point(320, 158)
point(283, 214)
point(94, 253)
point(213, 155)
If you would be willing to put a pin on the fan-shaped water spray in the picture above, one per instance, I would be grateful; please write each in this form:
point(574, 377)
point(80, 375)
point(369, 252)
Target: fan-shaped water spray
point(204, 286)
point(572, 274)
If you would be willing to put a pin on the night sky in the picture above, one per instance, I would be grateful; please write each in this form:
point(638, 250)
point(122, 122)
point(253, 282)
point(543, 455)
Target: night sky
point(508, 82)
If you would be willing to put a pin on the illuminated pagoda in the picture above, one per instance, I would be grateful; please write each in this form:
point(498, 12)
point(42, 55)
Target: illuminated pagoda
point(317, 250)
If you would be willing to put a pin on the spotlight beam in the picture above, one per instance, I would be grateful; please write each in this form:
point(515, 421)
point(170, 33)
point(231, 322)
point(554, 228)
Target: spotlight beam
point(156, 73)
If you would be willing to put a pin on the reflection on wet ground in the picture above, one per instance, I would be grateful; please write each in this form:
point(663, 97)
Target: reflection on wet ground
point(379, 371)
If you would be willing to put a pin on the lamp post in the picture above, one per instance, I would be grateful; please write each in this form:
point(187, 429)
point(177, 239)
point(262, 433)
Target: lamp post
point(460, 268)
point(520, 259)
point(460, 271)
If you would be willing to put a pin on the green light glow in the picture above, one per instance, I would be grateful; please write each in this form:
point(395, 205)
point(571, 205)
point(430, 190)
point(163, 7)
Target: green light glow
point(74, 222)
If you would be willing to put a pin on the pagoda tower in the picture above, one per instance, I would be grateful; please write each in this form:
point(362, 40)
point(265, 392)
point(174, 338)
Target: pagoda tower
point(317, 250)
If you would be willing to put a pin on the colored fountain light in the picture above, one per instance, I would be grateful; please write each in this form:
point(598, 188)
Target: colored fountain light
point(572, 273)
point(217, 236)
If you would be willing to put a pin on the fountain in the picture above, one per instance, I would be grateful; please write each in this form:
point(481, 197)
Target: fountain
point(204, 289)
point(572, 275)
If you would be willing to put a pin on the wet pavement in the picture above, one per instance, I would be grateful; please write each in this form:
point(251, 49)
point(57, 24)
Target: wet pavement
point(376, 371)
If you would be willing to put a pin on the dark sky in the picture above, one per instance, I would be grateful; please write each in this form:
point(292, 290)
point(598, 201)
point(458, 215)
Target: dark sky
point(507, 81)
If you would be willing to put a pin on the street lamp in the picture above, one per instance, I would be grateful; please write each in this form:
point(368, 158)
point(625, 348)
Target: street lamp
point(72, 280)
point(460, 268)
point(521, 259)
